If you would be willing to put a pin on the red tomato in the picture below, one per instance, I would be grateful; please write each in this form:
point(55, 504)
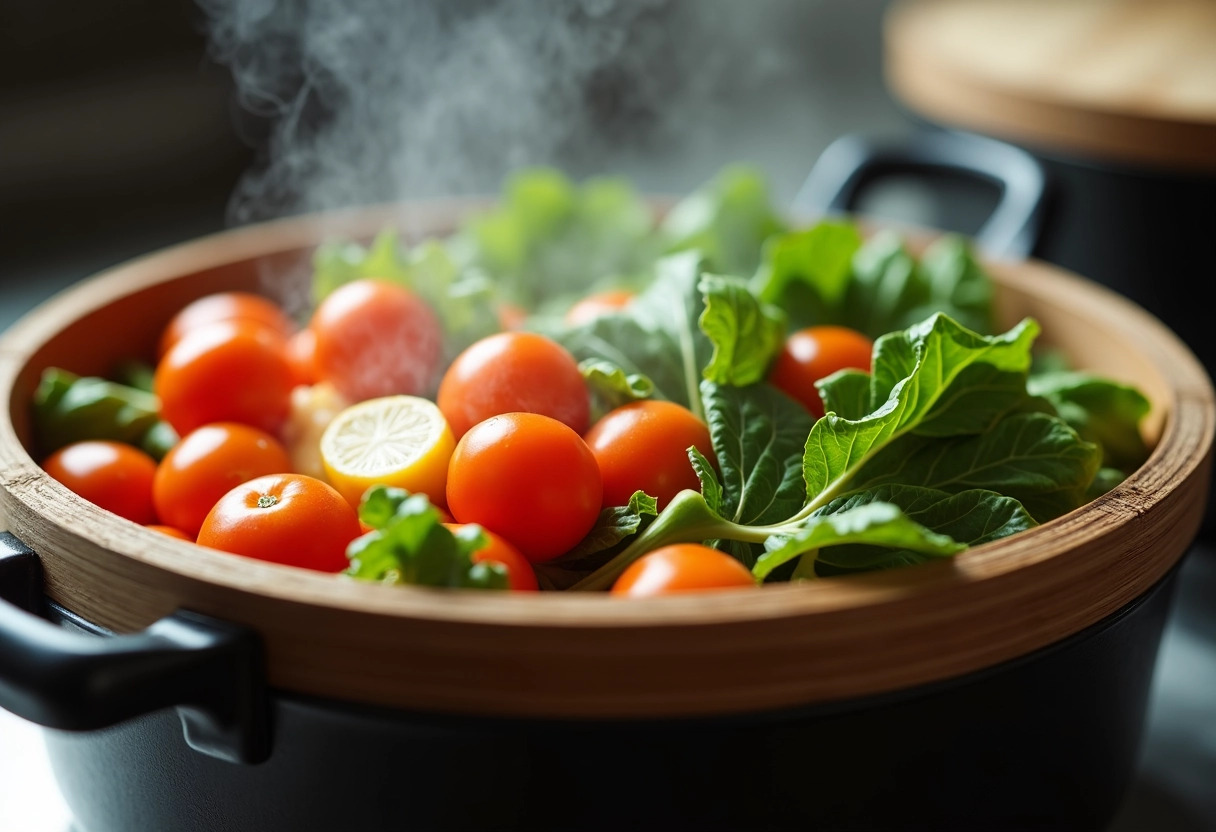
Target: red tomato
point(599, 303)
point(681, 567)
point(644, 445)
point(225, 306)
point(284, 518)
point(113, 475)
point(374, 339)
point(206, 464)
point(520, 576)
point(170, 531)
point(225, 372)
point(302, 356)
point(526, 477)
point(514, 372)
point(814, 353)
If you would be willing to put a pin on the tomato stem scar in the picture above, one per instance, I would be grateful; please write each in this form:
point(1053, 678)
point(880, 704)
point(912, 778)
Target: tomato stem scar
point(267, 500)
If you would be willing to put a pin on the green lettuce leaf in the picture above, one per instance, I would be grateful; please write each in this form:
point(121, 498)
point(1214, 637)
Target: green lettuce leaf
point(409, 544)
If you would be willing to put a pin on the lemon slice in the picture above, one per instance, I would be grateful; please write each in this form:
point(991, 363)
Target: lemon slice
point(401, 441)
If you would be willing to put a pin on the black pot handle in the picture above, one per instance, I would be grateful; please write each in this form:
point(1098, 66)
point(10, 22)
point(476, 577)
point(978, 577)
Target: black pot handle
point(210, 670)
point(852, 161)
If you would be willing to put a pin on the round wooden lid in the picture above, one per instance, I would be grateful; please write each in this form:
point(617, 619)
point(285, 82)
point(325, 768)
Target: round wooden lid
point(1130, 81)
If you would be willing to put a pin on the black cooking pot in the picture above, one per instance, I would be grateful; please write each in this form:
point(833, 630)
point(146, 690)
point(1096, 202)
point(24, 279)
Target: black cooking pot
point(187, 689)
point(1048, 741)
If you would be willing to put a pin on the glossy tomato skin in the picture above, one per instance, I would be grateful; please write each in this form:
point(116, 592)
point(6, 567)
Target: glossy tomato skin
point(814, 353)
point(530, 479)
point(599, 303)
point(514, 372)
point(206, 464)
point(644, 445)
point(290, 519)
point(374, 338)
point(302, 356)
point(225, 372)
point(116, 476)
point(520, 575)
point(170, 531)
point(225, 306)
point(682, 567)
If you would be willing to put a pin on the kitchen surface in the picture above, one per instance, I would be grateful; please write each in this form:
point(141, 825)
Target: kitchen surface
point(129, 126)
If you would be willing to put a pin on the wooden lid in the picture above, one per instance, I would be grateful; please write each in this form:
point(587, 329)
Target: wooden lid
point(590, 654)
point(1130, 81)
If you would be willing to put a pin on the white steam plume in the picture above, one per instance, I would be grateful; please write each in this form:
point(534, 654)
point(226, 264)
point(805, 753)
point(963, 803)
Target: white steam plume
point(368, 101)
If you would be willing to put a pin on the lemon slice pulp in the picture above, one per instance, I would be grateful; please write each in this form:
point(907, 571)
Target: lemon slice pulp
point(400, 441)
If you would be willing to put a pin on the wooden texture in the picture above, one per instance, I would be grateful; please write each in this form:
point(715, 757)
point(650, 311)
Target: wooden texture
point(590, 654)
point(1121, 80)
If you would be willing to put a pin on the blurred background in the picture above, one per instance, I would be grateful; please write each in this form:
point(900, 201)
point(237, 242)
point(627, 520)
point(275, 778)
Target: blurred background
point(131, 125)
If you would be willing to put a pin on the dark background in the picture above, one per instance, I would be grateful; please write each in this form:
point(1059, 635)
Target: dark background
point(119, 135)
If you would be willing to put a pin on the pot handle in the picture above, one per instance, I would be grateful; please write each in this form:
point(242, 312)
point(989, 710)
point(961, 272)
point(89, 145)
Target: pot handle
point(853, 161)
point(210, 670)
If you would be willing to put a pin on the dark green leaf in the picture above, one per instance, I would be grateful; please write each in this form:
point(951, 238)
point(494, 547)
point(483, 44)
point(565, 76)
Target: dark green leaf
point(69, 408)
point(1034, 458)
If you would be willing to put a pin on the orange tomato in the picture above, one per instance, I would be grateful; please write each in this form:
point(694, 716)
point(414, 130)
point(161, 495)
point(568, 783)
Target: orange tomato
point(597, 304)
point(170, 531)
point(681, 567)
point(526, 477)
point(520, 575)
point(302, 356)
point(513, 372)
point(644, 445)
point(374, 339)
point(225, 306)
point(814, 353)
point(225, 372)
point(116, 476)
point(283, 518)
point(207, 463)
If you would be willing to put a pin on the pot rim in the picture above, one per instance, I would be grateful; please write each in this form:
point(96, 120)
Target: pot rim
point(984, 606)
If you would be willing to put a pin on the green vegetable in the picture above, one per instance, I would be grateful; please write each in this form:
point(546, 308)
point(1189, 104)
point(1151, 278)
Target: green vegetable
point(409, 544)
point(728, 220)
point(957, 436)
point(611, 387)
point(850, 482)
point(1102, 411)
point(69, 408)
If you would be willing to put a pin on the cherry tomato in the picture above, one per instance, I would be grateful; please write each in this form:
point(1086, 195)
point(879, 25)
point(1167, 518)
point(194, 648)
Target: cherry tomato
point(225, 306)
point(520, 576)
point(291, 519)
point(302, 356)
point(113, 475)
point(511, 315)
point(814, 353)
point(681, 567)
point(374, 339)
point(530, 479)
point(644, 445)
point(225, 372)
point(599, 303)
point(514, 372)
point(170, 531)
point(207, 463)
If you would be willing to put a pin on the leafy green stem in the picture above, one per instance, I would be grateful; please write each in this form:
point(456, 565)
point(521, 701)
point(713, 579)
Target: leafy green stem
point(687, 519)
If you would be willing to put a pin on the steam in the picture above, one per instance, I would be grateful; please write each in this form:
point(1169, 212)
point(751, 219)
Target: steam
point(369, 101)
